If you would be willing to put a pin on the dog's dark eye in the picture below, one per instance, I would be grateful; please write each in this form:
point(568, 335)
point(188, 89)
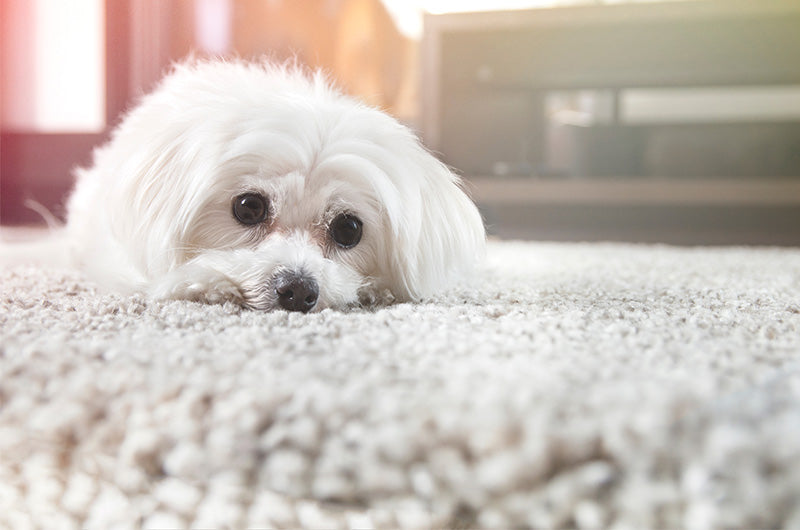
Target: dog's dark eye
point(345, 230)
point(250, 208)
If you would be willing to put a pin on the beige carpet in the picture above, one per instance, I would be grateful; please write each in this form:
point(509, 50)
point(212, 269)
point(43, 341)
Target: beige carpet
point(574, 385)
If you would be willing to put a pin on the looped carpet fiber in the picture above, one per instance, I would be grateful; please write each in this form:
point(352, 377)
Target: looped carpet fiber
point(583, 385)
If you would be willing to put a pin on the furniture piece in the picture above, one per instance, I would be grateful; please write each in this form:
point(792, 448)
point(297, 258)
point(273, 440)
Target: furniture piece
point(488, 77)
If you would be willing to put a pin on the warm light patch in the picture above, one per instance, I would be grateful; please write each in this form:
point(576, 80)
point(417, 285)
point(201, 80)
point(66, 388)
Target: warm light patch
point(53, 68)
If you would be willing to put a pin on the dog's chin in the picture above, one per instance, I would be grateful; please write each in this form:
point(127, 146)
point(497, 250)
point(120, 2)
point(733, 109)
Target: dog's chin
point(333, 287)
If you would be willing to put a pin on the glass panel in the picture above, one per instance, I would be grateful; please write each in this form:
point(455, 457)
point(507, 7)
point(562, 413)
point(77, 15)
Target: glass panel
point(692, 105)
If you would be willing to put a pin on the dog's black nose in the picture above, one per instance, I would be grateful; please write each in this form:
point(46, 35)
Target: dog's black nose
point(296, 292)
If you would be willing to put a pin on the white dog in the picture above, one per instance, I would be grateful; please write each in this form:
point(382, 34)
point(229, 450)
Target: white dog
point(259, 184)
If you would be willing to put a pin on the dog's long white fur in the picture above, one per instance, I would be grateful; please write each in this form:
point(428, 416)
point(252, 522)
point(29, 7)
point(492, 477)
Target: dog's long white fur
point(153, 212)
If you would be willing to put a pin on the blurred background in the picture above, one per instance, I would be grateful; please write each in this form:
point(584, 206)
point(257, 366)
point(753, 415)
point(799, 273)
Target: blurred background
point(672, 121)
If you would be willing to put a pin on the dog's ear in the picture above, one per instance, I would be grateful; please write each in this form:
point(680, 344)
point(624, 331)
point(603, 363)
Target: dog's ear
point(440, 235)
point(158, 187)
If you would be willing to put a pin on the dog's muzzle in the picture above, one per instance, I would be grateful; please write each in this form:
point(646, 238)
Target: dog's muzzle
point(296, 291)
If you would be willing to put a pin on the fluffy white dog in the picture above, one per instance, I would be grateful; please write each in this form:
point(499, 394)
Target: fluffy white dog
point(265, 186)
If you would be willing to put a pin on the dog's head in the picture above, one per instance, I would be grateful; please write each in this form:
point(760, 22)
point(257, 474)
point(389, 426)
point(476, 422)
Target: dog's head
point(270, 186)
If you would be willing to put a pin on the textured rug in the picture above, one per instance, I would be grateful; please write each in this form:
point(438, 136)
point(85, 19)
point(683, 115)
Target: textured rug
point(586, 385)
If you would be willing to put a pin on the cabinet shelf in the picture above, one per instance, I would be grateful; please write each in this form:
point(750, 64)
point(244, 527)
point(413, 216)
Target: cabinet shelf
point(633, 191)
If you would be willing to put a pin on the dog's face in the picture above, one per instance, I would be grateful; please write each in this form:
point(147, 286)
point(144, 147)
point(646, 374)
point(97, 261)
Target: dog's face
point(262, 186)
point(297, 229)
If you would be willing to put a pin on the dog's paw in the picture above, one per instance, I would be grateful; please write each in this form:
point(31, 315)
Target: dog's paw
point(210, 290)
point(372, 297)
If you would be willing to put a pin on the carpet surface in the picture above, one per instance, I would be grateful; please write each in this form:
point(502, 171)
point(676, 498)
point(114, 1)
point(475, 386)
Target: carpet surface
point(586, 385)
